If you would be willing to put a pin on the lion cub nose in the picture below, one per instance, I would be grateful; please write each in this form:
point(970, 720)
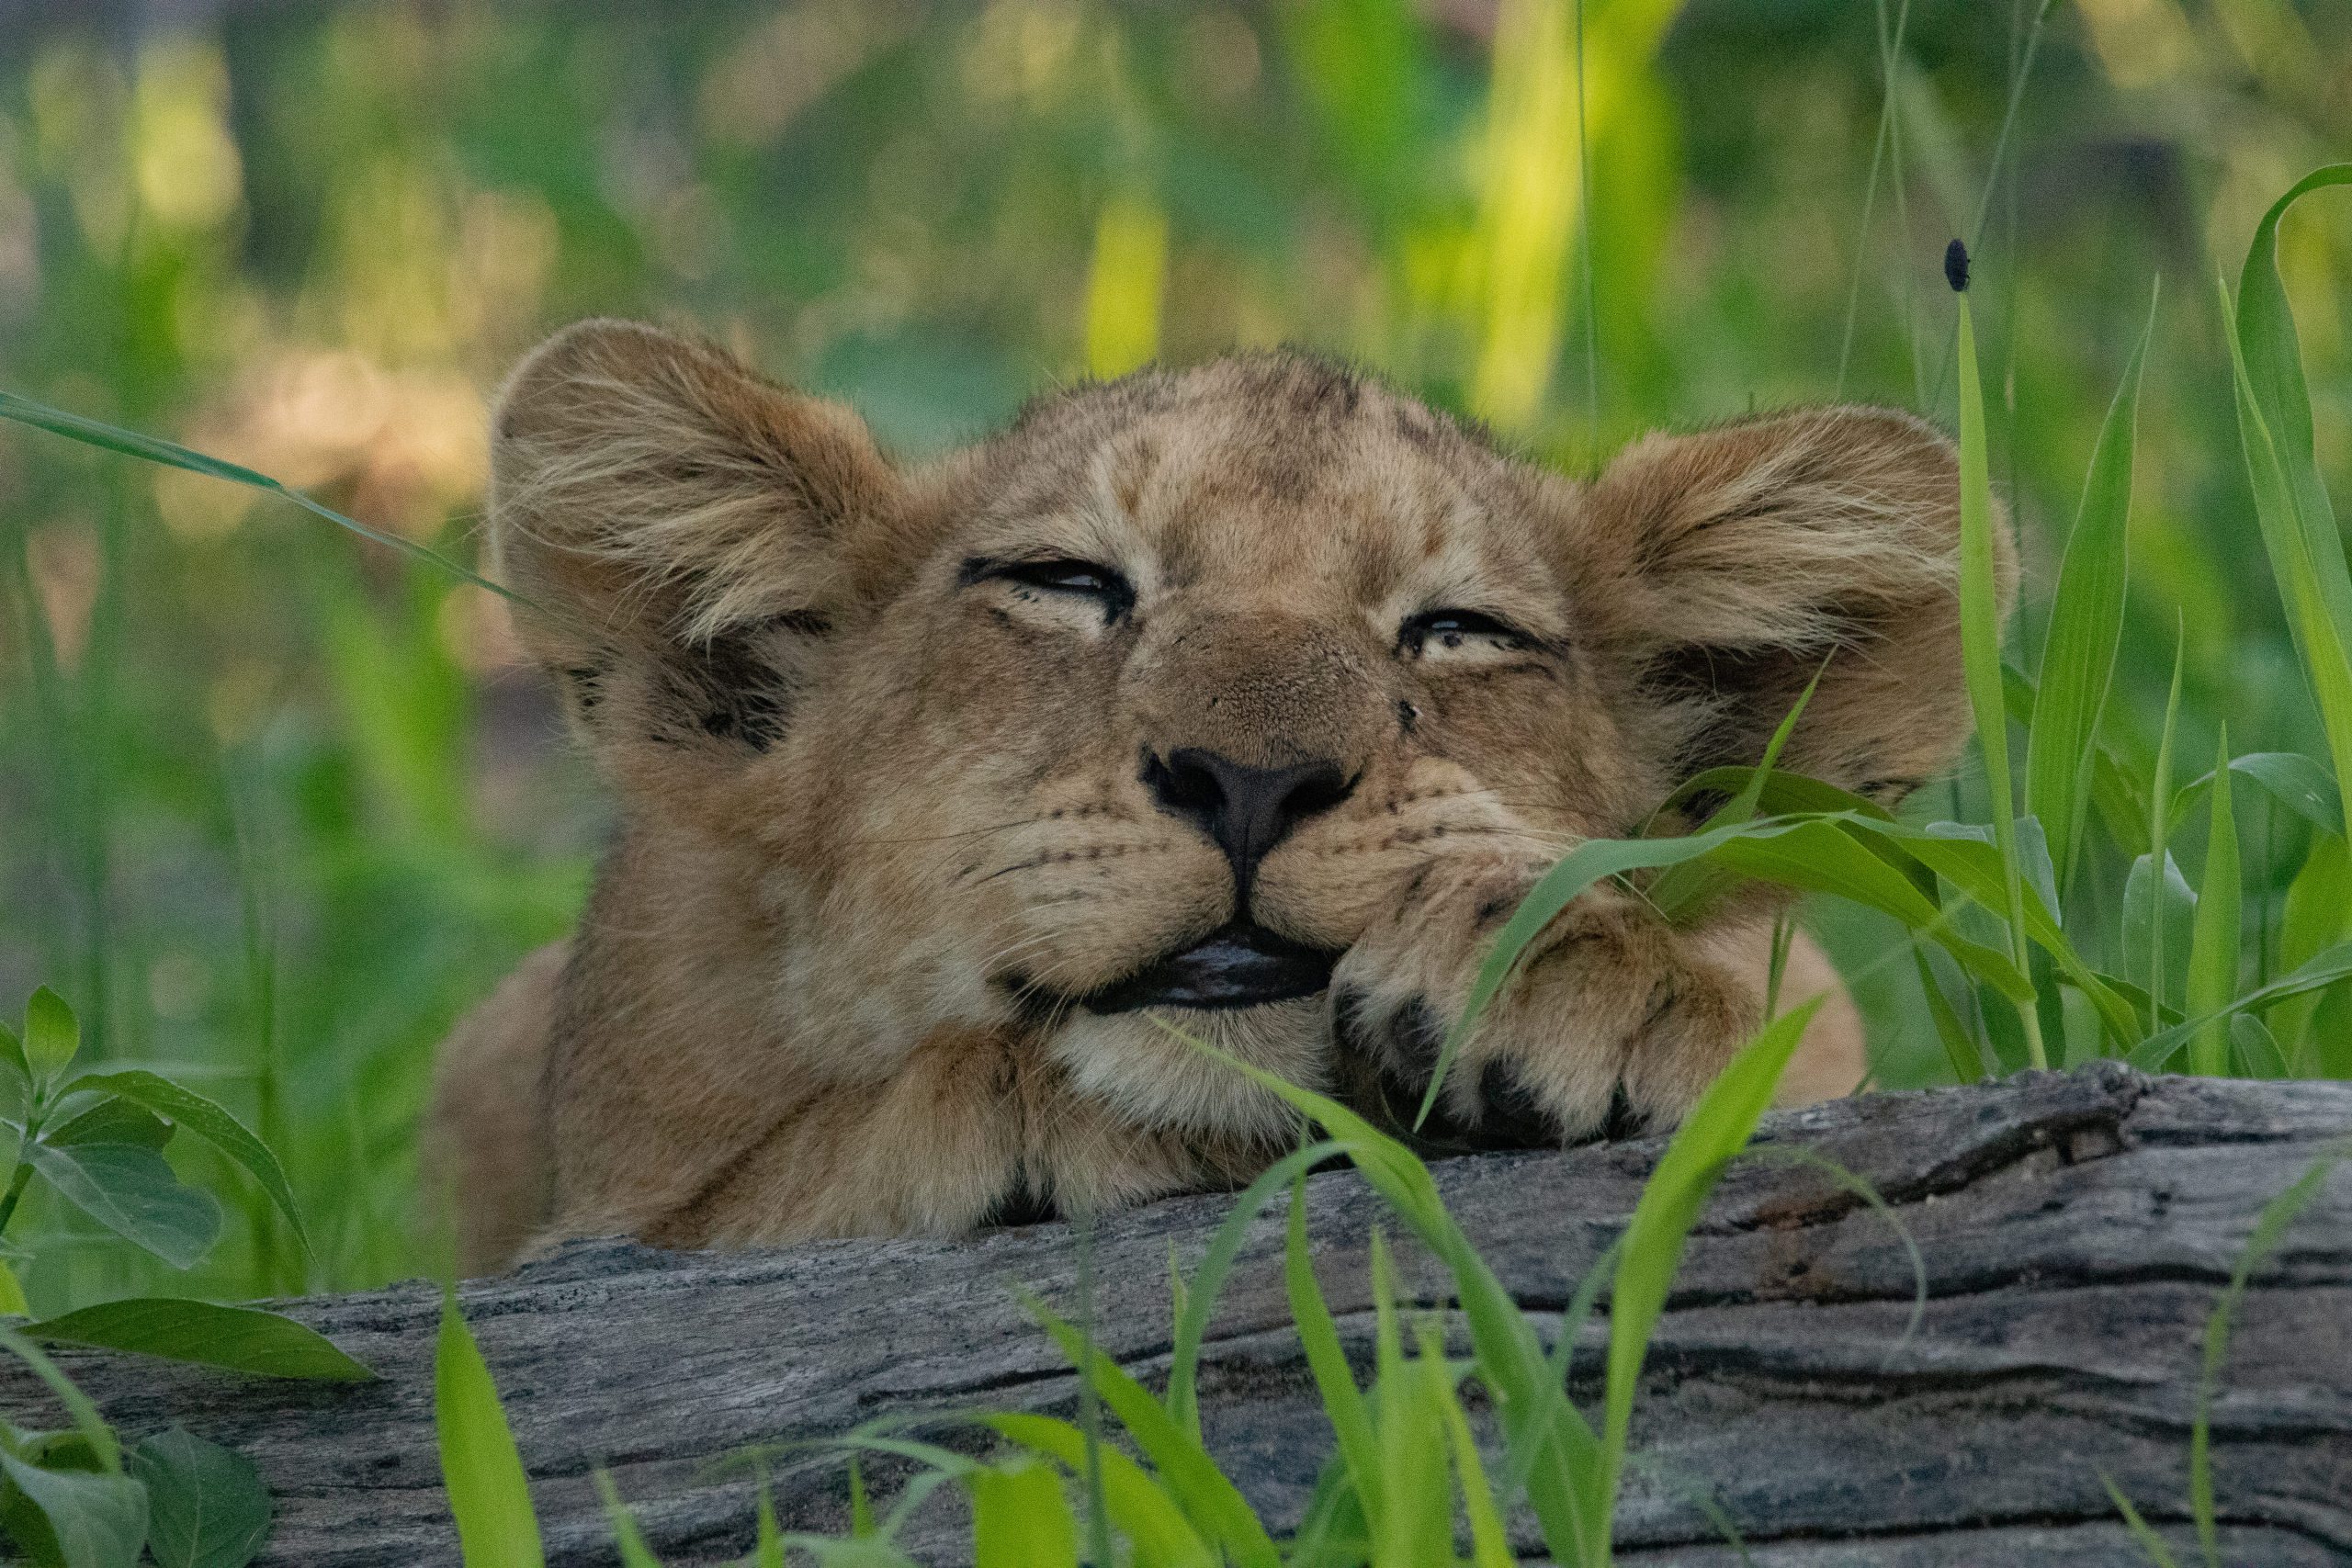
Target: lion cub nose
point(1247, 810)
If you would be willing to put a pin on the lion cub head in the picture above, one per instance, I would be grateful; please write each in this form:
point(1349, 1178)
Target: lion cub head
point(1154, 701)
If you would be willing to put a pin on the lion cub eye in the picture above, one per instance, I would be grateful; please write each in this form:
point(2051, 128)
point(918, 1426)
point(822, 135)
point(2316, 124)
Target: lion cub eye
point(1067, 577)
point(1437, 632)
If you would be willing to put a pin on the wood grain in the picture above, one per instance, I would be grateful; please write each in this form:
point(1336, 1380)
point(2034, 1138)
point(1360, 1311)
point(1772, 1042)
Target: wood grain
point(2074, 1229)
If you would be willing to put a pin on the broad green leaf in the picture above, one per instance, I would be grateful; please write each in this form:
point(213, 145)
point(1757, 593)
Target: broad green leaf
point(489, 1495)
point(2152, 1054)
point(96, 1518)
point(111, 1121)
point(244, 1339)
point(628, 1539)
point(2275, 429)
point(128, 1188)
point(1326, 1361)
point(12, 1294)
point(1980, 653)
point(205, 1505)
point(2213, 943)
point(2085, 628)
point(16, 1076)
point(171, 455)
point(197, 1114)
point(1717, 1128)
point(1021, 1518)
point(53, 1034)
point(1153, 1526)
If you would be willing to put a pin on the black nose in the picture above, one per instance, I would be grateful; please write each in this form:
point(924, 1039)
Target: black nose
point(1247, 810)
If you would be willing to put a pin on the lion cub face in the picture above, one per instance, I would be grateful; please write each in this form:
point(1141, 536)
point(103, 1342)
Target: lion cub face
point(1158, 701)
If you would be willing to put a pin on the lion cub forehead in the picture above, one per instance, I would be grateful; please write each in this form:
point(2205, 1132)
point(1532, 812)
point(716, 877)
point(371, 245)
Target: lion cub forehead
point(1282, 463)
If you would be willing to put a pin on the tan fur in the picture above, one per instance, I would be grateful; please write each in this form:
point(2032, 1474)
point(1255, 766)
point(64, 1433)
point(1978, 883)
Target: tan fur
point(886, 813)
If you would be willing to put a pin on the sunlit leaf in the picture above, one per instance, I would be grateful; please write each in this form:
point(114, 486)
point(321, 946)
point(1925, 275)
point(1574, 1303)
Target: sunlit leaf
point(53, 1034)
point(1021, 1518)
point(489, 1495)
point(1717, 1128)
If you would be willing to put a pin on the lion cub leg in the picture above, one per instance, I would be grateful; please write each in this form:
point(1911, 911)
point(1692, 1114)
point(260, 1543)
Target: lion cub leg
point(1616, 1021)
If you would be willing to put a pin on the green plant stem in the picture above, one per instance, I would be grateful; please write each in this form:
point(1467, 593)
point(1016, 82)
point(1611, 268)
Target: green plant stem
point(16, 1186)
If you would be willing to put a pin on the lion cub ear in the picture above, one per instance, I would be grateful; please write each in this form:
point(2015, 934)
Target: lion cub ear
point(684, 529)
point(1730, 566)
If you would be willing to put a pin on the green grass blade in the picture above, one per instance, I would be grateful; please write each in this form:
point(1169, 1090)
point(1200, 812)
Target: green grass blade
point(1200, 1295)
point(2269, 1228)
point(767, 1551)
point(1343, 1403)
point(1153, 1525)
point(2335, 964)
point(2160, 825)
point(2213, 944)
point(1490, 1545)
point(1021, 1518)
point(1960, 1047)
point(1717, 1128)
point(2291, 779)
point(1980, 642)
point(1532, 1408)
point(171, 455)
point(489, 1495)
point(2147, 1540)
point(2290, 502)
point(1215, 1505)
point(628, 1539)
point(2086, 630)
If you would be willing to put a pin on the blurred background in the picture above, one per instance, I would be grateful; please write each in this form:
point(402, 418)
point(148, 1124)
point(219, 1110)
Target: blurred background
point(275, 805)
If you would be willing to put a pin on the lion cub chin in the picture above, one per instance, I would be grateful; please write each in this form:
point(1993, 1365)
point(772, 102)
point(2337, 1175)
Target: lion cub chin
point(1241, 703)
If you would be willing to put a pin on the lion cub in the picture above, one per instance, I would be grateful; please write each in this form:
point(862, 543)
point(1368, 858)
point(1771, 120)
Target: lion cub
point(1251, 696)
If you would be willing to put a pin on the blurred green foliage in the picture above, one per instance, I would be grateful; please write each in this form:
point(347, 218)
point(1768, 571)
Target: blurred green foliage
point(275, 807)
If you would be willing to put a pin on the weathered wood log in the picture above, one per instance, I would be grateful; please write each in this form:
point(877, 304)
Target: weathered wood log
point(2076, 1231)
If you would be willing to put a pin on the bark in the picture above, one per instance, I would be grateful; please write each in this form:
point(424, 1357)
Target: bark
point(2076, 1231)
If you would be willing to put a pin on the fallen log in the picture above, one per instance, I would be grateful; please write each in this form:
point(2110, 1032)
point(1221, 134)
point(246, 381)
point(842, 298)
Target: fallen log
point(2076, 1231)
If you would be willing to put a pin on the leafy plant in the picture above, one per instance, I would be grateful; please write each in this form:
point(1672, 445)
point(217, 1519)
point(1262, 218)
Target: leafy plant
point(72, 1499)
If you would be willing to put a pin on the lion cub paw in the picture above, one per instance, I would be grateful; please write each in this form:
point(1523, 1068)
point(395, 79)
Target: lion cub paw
point(1613, 1023)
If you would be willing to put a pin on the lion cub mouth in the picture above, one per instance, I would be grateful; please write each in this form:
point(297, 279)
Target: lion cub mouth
point(1241, 964)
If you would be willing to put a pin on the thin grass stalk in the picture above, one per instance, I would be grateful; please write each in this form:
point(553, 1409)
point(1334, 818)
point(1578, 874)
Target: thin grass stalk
point(1980, 621)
